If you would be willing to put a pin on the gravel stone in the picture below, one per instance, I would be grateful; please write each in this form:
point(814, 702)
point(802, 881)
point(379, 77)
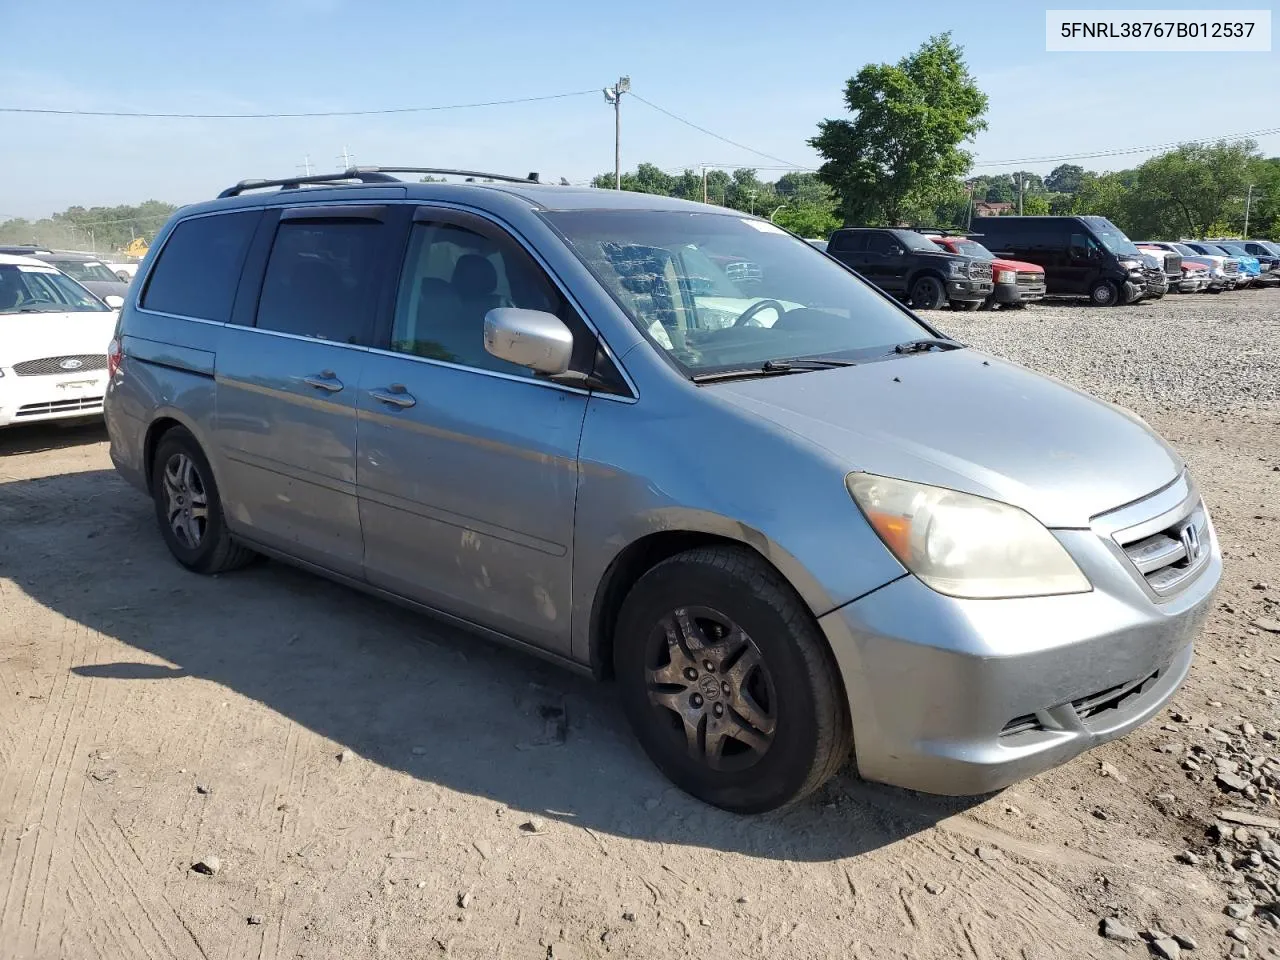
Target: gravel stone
point(1229, 781)
point(209, 866)
point(1239, 911)
point(1167, 948)
point(1240, 934)
point(1113, 929)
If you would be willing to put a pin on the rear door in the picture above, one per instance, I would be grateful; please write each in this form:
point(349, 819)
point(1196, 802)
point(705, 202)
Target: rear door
point(468, 465)
point(288, 373)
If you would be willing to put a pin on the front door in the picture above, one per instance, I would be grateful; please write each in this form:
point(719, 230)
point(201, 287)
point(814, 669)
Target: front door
point(467, 466)
point(885, 262)
point(287, 385)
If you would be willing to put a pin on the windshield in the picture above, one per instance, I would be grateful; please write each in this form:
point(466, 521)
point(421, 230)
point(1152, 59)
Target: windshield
point(32, 289)
point(1214, 250)
point(84, 269)
point(1234, 249)
point(1186, 251)
point(1111, 236)
point(970, 248)
point(1273, 248)
point(718, 292)
point(915, 241)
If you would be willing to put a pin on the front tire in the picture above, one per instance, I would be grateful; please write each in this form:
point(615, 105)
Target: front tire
point(728, 682)
point(928, 293)
point(967, 305)
point(188, 509)
point(1104, 293)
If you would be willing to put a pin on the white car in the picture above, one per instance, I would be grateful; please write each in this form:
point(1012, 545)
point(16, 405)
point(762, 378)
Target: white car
point(53, 344)
point(125, 271)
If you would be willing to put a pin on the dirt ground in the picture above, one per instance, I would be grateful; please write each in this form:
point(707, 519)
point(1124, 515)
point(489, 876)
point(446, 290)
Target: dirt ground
point(373, 786)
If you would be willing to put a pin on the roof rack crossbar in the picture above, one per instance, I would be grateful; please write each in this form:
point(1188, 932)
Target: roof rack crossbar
point(506, 178)
point(292, 183)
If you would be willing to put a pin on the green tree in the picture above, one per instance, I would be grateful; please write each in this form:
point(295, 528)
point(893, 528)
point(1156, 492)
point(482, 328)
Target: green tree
point(1101, 195)
point(1035, 205)
point(103, 229)
point(903, 144)
point(810, 220)
point(1064, 178)
point(1192, 189)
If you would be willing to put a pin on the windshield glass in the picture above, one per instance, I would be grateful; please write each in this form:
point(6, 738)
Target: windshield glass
point(1186, 251)
point(1111, 236)
point(971, 248)
point(84, 269)
point(1214, 250)
point(32, 289)
point(1272, 248)
point(1234, 249)
point(717, 292)
point(915, 241)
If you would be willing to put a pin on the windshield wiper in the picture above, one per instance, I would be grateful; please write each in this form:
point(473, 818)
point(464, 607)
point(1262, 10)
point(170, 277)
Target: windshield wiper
point(925, 344)
point(773, 368)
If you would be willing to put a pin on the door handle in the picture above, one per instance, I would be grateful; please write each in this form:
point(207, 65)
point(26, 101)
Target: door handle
point(395, 395)
point(324, 381)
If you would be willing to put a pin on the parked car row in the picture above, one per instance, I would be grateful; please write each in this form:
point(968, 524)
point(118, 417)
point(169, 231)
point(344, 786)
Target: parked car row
point(99, 278)
point(1029, 258)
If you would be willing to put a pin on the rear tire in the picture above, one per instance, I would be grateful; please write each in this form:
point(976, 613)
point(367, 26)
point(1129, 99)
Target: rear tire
point(728, 682)
point(928, 293)
point(1104, 293)
point(188, 509)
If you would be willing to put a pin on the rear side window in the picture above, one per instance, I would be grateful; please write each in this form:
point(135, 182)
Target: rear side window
point(322, 280)
point(845, 242)
point(199, 267)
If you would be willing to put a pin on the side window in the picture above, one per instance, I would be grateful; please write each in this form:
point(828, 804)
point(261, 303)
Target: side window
point(322, 280)
point(199, 266)
point(847, 242)
point(452, 277)
point(883, 243)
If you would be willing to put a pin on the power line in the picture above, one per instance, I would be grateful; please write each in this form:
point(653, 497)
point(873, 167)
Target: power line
point(690, 123)
point(1229, 138)
point(288, 116)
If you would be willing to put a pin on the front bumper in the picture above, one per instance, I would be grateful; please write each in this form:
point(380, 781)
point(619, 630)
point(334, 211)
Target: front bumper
point(967, 291)
point(1019, 292)
point(963, 697)
point(67, 396)
point(1135, 290)
point(1192, 284)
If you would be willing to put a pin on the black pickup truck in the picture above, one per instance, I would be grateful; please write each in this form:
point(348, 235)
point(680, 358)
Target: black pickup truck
point(912, 267)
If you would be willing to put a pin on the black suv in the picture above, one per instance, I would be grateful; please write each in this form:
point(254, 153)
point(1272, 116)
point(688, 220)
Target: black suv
point(912, 267)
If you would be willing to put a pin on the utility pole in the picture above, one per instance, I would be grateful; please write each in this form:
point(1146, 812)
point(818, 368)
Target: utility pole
point(704, 183)
point(1248, 202)
point(1022, 183)
point(346, 158)
point(751, 194)
point(306, 165)
point(613, 95)
point(968, 221)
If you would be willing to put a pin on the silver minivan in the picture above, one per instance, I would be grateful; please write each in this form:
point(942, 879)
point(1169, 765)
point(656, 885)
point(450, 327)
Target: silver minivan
point(671, 445)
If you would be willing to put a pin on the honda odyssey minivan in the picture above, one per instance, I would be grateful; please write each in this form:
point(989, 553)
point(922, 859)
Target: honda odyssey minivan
point(793, 522)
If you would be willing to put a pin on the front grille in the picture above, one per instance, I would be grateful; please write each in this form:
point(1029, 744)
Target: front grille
point(79, 363)
point(980, 270)
point(1231, 266)
point(1028, 278)
point(76, 405)
point(1173, 264)
point(1169, 558)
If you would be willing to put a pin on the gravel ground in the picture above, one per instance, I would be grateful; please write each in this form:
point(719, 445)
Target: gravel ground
point(1208, 353)
point(264, 765)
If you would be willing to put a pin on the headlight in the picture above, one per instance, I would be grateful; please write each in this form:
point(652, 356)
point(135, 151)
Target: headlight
point(965, 546)
point(1131, 265)
point(1006, 276)
point(958, 268)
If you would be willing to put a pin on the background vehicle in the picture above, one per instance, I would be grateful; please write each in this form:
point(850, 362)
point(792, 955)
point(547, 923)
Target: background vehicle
point(572, 426)
point(1194, 278)
point(1169, 260)
point(84, 268)
point(53, 344)
point(1016, 283)
point(1268, 263)
point(1157, 281)
point(820, 244)
point(1247, 267)
point(124, 271)
point(913, 268)
point(1224, 271)
point(1081, 256)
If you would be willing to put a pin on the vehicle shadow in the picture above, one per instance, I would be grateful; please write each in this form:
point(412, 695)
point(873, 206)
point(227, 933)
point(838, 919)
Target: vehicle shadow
point(393, 686)
point(41, 437)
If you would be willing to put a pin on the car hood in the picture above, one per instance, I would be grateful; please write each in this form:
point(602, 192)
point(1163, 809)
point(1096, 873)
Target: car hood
point(34, 336)
point(105, 288)
point(1021, 266)
point(969, 421)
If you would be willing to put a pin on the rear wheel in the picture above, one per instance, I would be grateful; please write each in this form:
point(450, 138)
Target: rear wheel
point(727, 681)
point(969, 305)
point(188, 509)
point(928, 293)
point(1104, 293)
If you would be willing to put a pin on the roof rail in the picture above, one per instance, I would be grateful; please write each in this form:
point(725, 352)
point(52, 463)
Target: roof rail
point(506, 178)
point(292, 183)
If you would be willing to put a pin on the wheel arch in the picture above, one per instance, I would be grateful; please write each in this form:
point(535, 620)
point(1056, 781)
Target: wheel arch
point(645, 552)
point(162, 422)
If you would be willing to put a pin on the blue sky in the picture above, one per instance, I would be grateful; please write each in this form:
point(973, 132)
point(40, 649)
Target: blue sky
point(760, 72)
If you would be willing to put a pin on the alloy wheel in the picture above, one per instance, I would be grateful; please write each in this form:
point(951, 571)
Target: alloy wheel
point(708, 681)
point(187, 502)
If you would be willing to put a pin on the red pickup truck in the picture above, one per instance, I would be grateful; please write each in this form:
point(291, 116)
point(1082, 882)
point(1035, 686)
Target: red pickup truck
point(1016, 283)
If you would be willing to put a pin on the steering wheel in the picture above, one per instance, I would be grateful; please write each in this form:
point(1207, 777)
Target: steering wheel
point(749, 314)
point(39, 299)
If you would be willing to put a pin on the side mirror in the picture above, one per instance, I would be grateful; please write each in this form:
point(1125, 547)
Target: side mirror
point(529, 338)
point(113, 301)
point(899, 252)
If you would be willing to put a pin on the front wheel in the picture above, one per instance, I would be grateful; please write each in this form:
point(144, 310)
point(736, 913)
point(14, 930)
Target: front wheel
point(928, 293)
point(727, 681)
point(969, 305)
point(188, 509)
point(1104, 293)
